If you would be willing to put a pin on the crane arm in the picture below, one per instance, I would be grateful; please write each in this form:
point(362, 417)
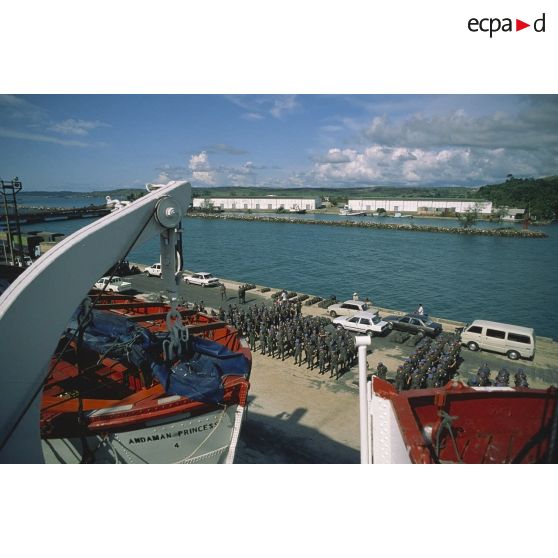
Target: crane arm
point(37, 306)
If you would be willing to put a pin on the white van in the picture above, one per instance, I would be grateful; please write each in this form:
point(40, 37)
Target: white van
point(514, 341)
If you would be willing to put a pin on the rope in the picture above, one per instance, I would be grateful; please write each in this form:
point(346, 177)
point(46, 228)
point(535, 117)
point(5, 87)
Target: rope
point(446, 423)
point(211, 432)
point(238, 416)
point(92, 367)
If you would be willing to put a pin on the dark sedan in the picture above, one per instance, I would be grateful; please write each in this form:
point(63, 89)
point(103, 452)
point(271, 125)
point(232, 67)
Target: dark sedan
point(413, 323)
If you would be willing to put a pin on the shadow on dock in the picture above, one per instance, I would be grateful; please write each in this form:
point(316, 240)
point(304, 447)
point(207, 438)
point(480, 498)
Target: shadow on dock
point(282, 439)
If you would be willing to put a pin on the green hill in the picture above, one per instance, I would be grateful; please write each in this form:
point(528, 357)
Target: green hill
point(539, 196)
point(337, 194)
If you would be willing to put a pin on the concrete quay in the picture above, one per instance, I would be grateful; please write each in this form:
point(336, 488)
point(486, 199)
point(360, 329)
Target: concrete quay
point(542, 370)
point(296, 415)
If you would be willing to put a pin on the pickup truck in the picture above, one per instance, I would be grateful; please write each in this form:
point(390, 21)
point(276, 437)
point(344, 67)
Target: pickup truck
point(116, 284)
point(27, 261)
point(154, 270)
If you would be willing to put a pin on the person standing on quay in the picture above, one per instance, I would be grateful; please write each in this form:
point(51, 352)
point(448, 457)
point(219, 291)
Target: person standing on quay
point(420, 310)
point(223, 292)
point(298, 352)
point(252, 338)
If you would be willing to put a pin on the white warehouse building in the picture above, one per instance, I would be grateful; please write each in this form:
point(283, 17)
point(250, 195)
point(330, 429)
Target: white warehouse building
point(425, 206)
point(268, 203)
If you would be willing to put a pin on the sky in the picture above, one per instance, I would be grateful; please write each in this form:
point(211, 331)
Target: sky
point(101, 142)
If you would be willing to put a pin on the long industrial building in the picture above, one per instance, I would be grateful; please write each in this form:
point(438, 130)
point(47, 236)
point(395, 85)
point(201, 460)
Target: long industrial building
point(268, 203)
point(438, 206)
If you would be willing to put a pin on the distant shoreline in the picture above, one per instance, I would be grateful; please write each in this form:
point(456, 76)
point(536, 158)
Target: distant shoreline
point(507, 233)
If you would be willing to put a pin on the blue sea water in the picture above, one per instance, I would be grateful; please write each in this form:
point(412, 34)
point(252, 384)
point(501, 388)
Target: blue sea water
point(457, 277)
point(26, 200)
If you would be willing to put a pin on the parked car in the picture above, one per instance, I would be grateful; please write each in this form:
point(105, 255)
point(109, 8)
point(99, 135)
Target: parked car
point(116, 284)
point(416, 324)
point(349, 308)
point(514, 341)
point(202, 278)
point(153, 270)
point(27, 261)
point(366, 323)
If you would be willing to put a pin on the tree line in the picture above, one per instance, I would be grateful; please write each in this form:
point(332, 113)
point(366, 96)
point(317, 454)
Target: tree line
point(538, 196)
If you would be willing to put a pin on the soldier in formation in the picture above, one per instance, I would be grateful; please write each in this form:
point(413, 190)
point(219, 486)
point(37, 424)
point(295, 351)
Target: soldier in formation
point(520, 379)
point(381, 371)
point(242, 294)
point(280, 331)
point(502, 379)
point(482, 378)
point(433, 363)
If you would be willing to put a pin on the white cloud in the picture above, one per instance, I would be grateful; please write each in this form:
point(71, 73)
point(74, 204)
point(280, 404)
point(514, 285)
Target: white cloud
point(283, 104)
point(259, 107)
point(450, 148)
point(16, 108)
point(252, 116)
point(379, 164)
point(201, 169)
point(199, 162)
point(243, 175)
point(163, 178)
point(74, 127)
point(533, 127)
point(16, 134)
point(24, 120)
point(334, 156)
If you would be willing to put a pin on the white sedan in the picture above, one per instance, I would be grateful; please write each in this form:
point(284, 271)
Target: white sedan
point(202, 278)
point(116, 284)
point(349, 308)
point(366, 323)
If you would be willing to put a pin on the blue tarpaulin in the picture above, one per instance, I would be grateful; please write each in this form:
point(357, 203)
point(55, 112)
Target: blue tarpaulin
point(200, 377)
point(197, 376)
point(107, 331)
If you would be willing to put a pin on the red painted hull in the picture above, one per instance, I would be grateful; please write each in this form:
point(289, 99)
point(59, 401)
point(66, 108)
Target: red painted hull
point(127, 400)
point(460, 424)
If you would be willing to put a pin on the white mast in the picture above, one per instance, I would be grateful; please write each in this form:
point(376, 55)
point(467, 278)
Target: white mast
point(362, 342)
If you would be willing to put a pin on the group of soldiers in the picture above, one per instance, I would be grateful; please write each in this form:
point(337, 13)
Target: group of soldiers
point(433, 363)
point(502, 379)
point(280, 331)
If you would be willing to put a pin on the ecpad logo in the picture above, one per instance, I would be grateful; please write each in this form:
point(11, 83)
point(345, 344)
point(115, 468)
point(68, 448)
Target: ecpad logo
point(493, 25)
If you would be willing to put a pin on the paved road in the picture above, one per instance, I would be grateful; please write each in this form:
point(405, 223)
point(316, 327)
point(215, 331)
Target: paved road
point(211, 296)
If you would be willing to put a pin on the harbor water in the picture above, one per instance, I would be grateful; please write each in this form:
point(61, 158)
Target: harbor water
point(458, 277)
